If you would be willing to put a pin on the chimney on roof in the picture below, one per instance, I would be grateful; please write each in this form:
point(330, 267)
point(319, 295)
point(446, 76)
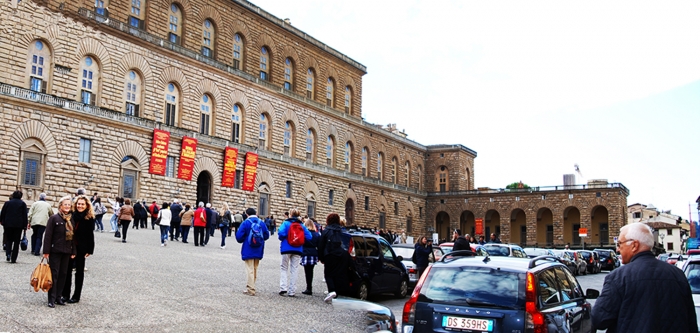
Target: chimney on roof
point(288, 21)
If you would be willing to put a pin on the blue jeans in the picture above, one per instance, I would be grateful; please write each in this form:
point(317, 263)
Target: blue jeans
point(37, 237)
point(113, 223)
point(164, 233)
point(98, 222)
point(224, 232)
point(185, 229)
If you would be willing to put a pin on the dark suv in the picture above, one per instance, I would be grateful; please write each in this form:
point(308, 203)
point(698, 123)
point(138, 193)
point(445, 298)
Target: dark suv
point(608, 259)
point(498, 294)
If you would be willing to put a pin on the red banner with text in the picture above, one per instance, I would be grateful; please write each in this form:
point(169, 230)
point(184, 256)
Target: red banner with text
point(479, 229)
point(250, 169)
point(229, 177)
point(187, 154)
point(159, 152)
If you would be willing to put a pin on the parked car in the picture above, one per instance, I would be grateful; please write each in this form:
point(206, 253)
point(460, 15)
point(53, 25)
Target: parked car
point(691, 269)
point(406, 251)
point(504, 250)
point(447, 248)
point(673, 258)
point(380, 269)
point(592, 260)
point(536, 252)
point(662, 256)
point(566, 259)
point(608, 259)
point(504, 294)
point(581, 268)
point(378, 318)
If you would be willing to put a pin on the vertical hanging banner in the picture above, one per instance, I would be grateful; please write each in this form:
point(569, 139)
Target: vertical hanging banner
point(479, 226)
point(159, 152)
point(187, 154)
point(250, 169)
point(229, 177)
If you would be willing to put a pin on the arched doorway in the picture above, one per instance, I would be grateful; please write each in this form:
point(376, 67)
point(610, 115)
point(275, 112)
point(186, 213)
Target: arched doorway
point(442, 225)
point(599, 226)
point(350, 212)
point(204, 187)
point(545, 227)
point(518, 227)
point(466, 223)
point(492, 224)
point(572, 222)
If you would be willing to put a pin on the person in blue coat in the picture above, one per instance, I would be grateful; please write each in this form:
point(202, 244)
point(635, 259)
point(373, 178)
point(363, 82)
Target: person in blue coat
point(291, 255)
point(309, 258)
point(251, 255)
point(422, 252)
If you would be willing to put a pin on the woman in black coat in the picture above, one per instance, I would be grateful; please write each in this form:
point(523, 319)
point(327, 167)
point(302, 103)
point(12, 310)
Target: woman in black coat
point(58, 248)
point(309, 257)
point(83, 243)
point(422, 252)
point(13, 218)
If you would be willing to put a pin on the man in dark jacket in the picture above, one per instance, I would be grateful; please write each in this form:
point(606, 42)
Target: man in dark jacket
point(637, 295)
point(13, 218)
point(212, 216)
point(460, 242)
point(140, 215)
point(175, 209)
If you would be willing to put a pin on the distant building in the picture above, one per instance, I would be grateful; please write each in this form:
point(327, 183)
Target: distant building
point(673, 227)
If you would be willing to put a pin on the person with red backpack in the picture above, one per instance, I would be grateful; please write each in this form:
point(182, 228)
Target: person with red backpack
point(292, 234)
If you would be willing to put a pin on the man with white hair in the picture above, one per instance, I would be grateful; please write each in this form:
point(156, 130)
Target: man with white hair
point(638, 295)
point(175, 208)
point(39, 214)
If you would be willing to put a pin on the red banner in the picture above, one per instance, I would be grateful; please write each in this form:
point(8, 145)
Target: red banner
point(229, 177)
point(187, 153)
point(479, 228)
point(159, 152)
point(250, 169)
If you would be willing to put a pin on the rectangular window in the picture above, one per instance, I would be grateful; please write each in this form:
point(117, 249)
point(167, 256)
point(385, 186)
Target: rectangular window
point(288, 189)
point(36, 84)
point(263, 75)
point(236, 133)
point(128, 183)
point(330, 197)
point(396, 208)
point(170, 110)
point(637, 215)
point(87, 97)
point(409, 225)
point(264, 204)
point(206, 51)
point(603, 234)
point(173, 38)
point(170, 167)
point(669, 232)
point(311, 208)
point(84, 153)
point(382, 220)
point(204, 124)
point(135, 22)
point(32, 169)
point(366, 203)
point(420, 212)
point(287, 86)
point(132, 109)
point(236, 63)
point(237, 181)
point(669, 246)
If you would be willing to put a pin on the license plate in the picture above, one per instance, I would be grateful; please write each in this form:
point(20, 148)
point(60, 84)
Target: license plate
point(464, 323)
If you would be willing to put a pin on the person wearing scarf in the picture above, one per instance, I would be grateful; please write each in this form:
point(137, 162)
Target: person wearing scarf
point(58, 248)
point(83, 242)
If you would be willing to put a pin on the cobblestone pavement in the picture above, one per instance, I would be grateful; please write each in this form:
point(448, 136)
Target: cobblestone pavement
point(140, 286)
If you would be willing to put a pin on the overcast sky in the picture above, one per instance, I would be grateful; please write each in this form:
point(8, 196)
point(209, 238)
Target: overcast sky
point(533, 86)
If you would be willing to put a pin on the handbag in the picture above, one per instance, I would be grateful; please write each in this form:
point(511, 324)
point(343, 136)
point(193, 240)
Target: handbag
point(117, 234)
point(23, 243)
point(41, 277)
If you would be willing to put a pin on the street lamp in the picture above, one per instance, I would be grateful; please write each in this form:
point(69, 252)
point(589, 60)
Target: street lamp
point(662, 240)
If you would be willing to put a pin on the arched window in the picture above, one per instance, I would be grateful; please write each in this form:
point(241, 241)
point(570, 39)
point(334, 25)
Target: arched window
point(206, 112)
point(420, 179)
point(132, 93)
point(208, 38)
point(380, 166)
point(407, 174)
point(311, 205)
point(236, 117)
point(89, 80)
point(310, 80)
point(101, 7)
point(330, 92)
point(348, 100)
point(39, 66)
point(238, 49)
point(263, 133)
point(172, 104)
point(264, 64)
point(32, 155)
point(394, 164)
point(364, 161)
point(310, 142)
point(289, 139)
point(330, 151)
point(348, 156)
point(442, 180)
point(288, 74)
point(175, 29)
point(138, 13)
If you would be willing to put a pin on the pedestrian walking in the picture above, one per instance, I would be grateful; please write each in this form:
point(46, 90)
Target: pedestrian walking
point(58, 248)
point(252, 234)
point(200, 224)
point(643, 290)
point(237, 220)
point(114, 220)
point(100, 210)
point(337, 263)
point(13, 218)
point(126, 213)
point(309, 257)
point(153, 209)
point(140, 215)
point(166, 217)
point(212, 217)
point(291, 232)
point(82, 219)
point(175, 209)
point(460, 242)
point(186, 217)
point(39, 214)
point(224, 226)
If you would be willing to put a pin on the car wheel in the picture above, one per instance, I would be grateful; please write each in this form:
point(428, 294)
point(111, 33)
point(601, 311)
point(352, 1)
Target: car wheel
point(403, 289)
point(363, 291)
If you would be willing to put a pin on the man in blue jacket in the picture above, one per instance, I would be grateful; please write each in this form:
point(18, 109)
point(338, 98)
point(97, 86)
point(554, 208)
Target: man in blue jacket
point(251, 255)
point(291, 255)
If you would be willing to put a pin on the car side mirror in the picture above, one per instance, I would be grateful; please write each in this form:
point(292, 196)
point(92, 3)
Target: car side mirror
point(400, 258)
point(592, 293)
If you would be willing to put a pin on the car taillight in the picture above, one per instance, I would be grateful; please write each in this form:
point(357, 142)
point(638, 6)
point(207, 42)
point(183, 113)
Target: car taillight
point(412, 271)
point(535, 319)
point(351, 248)
point(591, 261)
point(409, 309)
point(609, 260)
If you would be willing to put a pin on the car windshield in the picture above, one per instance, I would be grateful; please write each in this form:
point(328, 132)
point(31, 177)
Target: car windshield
point(692, 272)
point(485, 287)
point(536, 252)
point(498, 251)
point(604, 254)
point(446, 248)
point(405, 252)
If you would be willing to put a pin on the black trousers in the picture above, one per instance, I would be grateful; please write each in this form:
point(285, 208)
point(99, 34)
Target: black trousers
point(309, 273)
point(37, 238)
point(141, 222)
point(79, 263)
point(12, 238)
point(59, 267)
point(185, 232)
point(336, 270)
point(153, 222)
point(125, 227)
point(199, 235)
point(174, 230)
point(206, 234)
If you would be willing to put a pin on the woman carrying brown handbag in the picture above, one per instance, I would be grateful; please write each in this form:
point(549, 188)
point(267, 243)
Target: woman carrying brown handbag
point(58, 248)
point(84, 243)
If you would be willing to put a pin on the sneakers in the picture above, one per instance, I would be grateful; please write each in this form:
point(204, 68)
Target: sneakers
point(223, 247)
point(307, 292)
point(329, 298)
point(283, 292)
point(161, 244)
point(245, 292)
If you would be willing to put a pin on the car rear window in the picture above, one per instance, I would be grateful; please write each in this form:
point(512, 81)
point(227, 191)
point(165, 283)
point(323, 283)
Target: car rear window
point(498, 251)
point(476, 286)
point(604, 254)
point(405, 252)
point(692, 272)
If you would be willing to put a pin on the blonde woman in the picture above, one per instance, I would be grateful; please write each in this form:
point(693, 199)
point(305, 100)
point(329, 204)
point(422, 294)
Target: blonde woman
point(309, 257)
point(226, 218)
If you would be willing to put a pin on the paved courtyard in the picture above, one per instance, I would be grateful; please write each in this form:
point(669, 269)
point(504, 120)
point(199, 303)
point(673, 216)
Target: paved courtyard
point(143, 287)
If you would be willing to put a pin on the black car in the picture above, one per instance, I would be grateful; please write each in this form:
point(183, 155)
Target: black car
point(503, 294)
point(566, 259)
point(380, 269)
point(608, 259)
point(592, 259)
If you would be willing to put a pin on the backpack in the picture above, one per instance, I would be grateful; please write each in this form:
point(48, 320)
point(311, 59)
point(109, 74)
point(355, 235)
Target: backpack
point(295, 237)
point(255, 237)
point(334, 243)
point(155, 210)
